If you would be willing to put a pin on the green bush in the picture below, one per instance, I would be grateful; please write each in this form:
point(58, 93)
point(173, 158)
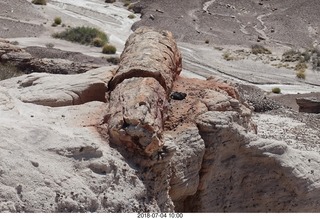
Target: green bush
point(98, 42)
point(39, 2)
point(276, 90)
point(258, 49)
point(127, 3)
point(8, 71)
point(131, 16)
point(82, 35)
point(109, 49)
point(57, 20)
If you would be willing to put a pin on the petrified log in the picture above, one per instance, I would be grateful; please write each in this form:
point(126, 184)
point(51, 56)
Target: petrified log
point(137, 108)
point(140, 88)
point(149, 53)
point(308, 105)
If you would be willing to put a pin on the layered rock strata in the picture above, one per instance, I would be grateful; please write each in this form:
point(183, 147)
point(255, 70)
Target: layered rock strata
point(308, 105)
point(24, 61)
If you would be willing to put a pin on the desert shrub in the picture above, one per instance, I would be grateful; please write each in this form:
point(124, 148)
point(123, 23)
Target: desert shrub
point(207, 41)
point(49, 45)
point(300, 65)
point(8, 71)
point(109, 49)
point(305, 56)
point(276, 90)
point(113, 60)
point(291, 56)
point(57, 20)
point(110, 1)
point(301, 74)
point(259, 49)
point(315, 63)
point(131, 16)
point(14, 43)
point(126, 3)
point(98, 42)
point(39, 2)
point(315, 58)
point(227, 56)
point(82, 35)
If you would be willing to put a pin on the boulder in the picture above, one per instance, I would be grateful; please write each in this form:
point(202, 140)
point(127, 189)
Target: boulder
point(308, 105)
point(28, 64)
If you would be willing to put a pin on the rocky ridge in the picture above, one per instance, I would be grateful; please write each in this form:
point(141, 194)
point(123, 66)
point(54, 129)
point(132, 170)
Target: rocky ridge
point(94, 143)
point(29, 63)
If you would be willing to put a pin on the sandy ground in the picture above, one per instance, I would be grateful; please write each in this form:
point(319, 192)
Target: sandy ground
point(111, 18)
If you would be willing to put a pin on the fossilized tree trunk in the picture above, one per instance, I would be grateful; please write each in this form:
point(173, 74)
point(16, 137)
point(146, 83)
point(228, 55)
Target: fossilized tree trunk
point(149, 53)
point(148, 66)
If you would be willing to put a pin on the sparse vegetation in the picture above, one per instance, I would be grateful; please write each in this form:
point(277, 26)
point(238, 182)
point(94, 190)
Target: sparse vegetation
point(98, 42)
point(311, 56)
point(49, 45)
point(131, 16)
point(227, 56)
point(8, 71)
point(126, 3)
point(291, 56)
point(301, 74)
point(259, 49)
point(109, 49)
point(57, 20)
point(315, 58)
point(110, 1)
point(39, 2)
point(14, 43)
point(207, 41)
point(82, 35)
point(276, 90)
point(113, 60)
point(300, 66)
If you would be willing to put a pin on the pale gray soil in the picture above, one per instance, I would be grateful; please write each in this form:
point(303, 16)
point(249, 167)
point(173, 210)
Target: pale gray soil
point(237, 22)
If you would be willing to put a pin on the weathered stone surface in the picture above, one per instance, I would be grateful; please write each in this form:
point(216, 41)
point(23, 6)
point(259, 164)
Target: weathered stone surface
point(25, 62)
point(149, 53)
point(186, 164)
point(55, 91)
point(308, 105)
point(243, 173)
point(53, 159)
point(138, 109)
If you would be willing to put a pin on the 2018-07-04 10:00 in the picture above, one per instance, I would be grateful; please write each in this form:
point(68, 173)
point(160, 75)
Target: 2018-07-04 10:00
point(160, 215)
